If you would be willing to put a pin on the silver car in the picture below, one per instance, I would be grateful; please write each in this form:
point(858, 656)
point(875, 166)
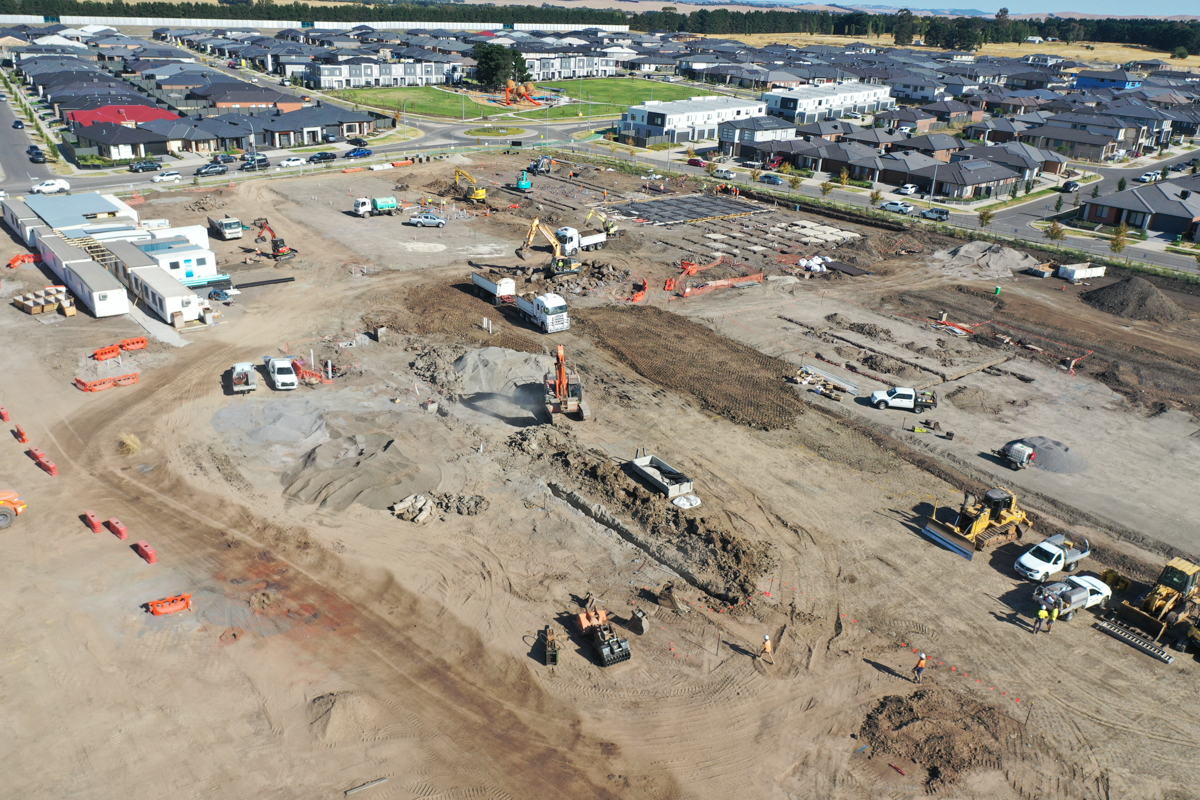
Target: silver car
point(427, 219)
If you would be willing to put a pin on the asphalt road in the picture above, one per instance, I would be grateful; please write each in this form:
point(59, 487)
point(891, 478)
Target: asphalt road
point(19, 172)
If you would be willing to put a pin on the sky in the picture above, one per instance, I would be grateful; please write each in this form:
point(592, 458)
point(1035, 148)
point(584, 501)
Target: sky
point(1116, 8)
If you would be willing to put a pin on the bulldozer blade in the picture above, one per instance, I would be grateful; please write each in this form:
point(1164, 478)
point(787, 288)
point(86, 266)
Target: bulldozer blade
point(1133, 618)
point(949, 538)
point(1132, 637)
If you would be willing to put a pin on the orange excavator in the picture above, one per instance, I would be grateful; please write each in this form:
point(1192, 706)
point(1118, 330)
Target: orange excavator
point(564, 391)
point(279, 249)
point(522, 90)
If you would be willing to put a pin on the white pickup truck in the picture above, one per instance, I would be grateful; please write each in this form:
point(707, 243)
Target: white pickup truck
point(1051, 557)
point(1075, 593)
point(900, 397)
point(547, 311)
point(243, 377)
point(282, 372)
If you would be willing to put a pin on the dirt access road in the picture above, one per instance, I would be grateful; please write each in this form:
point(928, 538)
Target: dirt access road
point(332, 644)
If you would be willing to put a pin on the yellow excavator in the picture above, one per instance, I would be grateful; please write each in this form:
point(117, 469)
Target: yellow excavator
point(476, 194)
point(989, 521)
point(1173, 600)
point(561, 264)
point(607, 225)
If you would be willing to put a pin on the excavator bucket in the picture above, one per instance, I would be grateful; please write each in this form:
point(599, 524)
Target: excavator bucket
point(949, 538)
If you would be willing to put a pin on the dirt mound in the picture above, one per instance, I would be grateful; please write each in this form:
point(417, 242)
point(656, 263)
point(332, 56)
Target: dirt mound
point(867, 329)
point(944, 732)
point(208, 202)
point(440, 309)
point(727, 378)
point(466, 504)
point(1133, 298)
point(436, 367)
point(881, 363)
point(494, 370)
point(366, 469)
point(291, 425)
point(1054, 456)
point(342, 717)
point(982, 260)
point(973, 400)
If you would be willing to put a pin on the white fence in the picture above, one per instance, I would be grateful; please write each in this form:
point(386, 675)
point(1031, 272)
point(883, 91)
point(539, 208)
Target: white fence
point(386, 26)
point(534, 26)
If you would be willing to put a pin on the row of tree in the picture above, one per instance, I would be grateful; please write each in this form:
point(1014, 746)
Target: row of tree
point(903, 27)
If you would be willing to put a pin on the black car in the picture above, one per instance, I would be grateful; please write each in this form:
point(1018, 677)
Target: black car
point(17, 124)
point(33, 148)
point(37, 158)
point(317, 158)
point(212, 169)
point(254, 166)
point(1179, 168)
point(1070, 187)
point(145, 166)
point(357, 142)
point(223, 158)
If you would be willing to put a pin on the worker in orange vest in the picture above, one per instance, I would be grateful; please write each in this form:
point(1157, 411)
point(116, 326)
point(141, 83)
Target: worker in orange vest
point(919, 669)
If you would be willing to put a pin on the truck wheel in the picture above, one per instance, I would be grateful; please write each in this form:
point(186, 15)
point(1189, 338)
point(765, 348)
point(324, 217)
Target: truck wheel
point(881, 405)
point(1070, 615)
point(6, 517)
point(1074, 565)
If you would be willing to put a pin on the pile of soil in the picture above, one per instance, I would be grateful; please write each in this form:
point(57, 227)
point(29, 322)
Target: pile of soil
point(208, 202)
point(944, 732)
point(867, 329)
point(703, 549)
point(983, 260)
point(881, 363)
point(973, 400)
point(1134, 298)
point(725, 377)
point(454, 310)
point(465, 504)
point(494, 370)
point(1054, 456)
point(367, 469)
point(436, 367)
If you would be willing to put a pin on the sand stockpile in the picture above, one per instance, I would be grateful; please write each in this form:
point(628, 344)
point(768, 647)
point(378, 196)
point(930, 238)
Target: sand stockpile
point(1054, 456)
point(366, 469)
point(982, 261)
point(1133, 298)
point(494, 370)
point(291, 425)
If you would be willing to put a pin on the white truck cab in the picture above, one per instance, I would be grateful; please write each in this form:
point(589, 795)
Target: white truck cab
point(1051, 557)
point(282, 372)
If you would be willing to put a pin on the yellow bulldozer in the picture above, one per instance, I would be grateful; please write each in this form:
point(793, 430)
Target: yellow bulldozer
point(1173, 603)
point(989, 521)
point(475, 194)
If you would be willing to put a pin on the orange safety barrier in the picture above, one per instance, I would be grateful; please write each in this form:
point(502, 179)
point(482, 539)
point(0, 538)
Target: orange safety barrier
point(94, 386)
point(147, 552)
point(22, 436)
point(4, 415)
point(42, 461)
point(669, 286)
point(134, 344)
point(127, 380)
point(306, 373)
point(170, 605)
point(402, 163)
point(118, 528)
point(353, 169)
point(93, 521)
point(105, 353)
point(24, 258)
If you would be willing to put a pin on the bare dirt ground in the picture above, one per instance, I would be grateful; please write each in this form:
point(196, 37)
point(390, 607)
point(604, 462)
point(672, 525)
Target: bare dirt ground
point(332, 644)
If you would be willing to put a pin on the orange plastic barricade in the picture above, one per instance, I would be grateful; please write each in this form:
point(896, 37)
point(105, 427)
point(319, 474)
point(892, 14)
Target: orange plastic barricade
point(22, 436)
point(105, 353)
point(127, 380)
point(353, 169)
point(134, 344)
point(402, 163)
point(93, 521)
point(4, 415)
point(94, 386)
point(170, 605)
point(147, 552)
point(669, 286)
point(118, 528)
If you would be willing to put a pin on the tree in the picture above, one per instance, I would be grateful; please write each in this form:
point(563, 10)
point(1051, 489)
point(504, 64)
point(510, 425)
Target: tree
point(1028, 187)
point(1121, 184)
point(826, 188)
point(691, 151)
point(1075, 200)
point(710, 168)
point(1015, 189)
point(1119, 238)
point(986, 217)
point(876, 196)
point(1055, 231)
point(844, 177)
point(1002, 15)
point(786, 169)
point(903, 28)
point(1164, 172)
point(1096, 190)
point(496, 65)
point(1179, 52)
point(755, 174)
point(794, 182)
point(1058, 204)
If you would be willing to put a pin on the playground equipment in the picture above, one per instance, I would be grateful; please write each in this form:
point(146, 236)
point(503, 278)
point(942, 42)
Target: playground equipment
point(522, 90)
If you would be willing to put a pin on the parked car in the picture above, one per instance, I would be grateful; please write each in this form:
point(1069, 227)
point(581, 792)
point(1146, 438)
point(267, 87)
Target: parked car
point(358, 152)
point(357, 142)
point(1193, 162)
point(52, 186)
point(223, 158)
point(212, 169)
point(317, 158)
point(3, 97)
point(1071, 187)
point(696, 162)
point(939, 214)
point(898, 206)
point(327, 138)
point(37, 158)
point(908, 188)
point(145, 166)
point(1147, 177)
point(1179, 167)
point(254, 166)
point(774, 180)
point(170, 176)
point(33, 148)
point(293, 161)
point(724, 174)
point(852, 115)
point(17, 124)
point(427, 218)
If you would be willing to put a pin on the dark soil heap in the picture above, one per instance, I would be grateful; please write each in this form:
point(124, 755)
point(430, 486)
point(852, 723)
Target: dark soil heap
point(1133, 298)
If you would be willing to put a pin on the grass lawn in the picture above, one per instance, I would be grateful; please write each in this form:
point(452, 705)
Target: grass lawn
point(623, 92)
point(426, 100)
point(572, 111)
point(495, 131)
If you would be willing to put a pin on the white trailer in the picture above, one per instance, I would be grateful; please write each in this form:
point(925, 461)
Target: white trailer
point(572, 242)
point(96, 288)
point(547, 311)
point(661, 475)
point(1080, 272)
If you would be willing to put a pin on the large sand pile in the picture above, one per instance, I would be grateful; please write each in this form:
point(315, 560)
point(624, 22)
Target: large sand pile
point(366, 469)
point(494, 370)
point(982, 260)
point(1133, 298)
point(290, 425)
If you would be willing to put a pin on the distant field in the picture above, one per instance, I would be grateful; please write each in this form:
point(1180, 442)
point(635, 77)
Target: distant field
point(623, 92)
point(425, 100)
point(1104, 52)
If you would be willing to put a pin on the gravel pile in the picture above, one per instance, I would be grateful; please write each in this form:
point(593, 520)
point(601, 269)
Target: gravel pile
point(983, 260)
point(292, 423)
point(1054, 456)
point(494, 370)
point(1133, 298)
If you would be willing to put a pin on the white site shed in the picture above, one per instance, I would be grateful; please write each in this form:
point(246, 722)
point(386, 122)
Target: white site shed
point(96, 288)
point(148, 282)
point(57, 253)
point(22, 220)
point(179, 258)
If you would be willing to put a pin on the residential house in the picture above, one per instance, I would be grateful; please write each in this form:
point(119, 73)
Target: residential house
point(881, 139)
point(1076, 144)
point(1169, 207)
point(128, 115)
point(736, 136)
point(1107, 79)
point(911, 119)
point(940, 146)
point(185, 135)
point(919, 90)
point(826, 129)
point(805, 104)
point(117, 143)
point(952, 112)
point(1026, 160)
point(687, 120)
point(996, 130)
point(967, 180)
